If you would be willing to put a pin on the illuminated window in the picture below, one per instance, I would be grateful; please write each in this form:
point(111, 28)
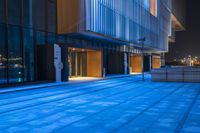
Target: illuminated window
point(153, 7)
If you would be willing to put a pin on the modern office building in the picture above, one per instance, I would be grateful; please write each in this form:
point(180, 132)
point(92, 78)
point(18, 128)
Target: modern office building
point(89, 38)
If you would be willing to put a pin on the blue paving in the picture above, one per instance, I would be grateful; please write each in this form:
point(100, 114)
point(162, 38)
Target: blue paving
point(119, 105)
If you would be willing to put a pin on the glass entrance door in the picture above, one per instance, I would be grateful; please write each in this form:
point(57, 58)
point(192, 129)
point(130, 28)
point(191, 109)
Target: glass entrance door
point(77, 63)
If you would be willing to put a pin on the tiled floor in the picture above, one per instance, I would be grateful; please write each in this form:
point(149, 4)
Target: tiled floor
point(121, 105)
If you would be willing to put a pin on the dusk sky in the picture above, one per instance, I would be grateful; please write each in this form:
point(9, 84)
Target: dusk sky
point(188, 42)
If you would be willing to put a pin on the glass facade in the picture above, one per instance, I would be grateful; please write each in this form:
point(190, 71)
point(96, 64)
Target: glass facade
point(3, 58)
point(14, 12)
point(28, 55)
point(15, 62)
point(24, 24)
point(129, 20)
point(27, 13)
point(2, 13)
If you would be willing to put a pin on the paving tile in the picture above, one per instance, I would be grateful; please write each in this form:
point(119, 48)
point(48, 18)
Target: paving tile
point(123, 105)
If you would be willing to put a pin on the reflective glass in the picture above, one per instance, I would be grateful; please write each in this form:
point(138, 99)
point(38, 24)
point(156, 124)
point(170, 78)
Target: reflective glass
point(27, 13)
point(29, 55)
point(146, 4)
point(41, 38)
point(39, 14)
point(52, 16)
point(51, 38)
point(3, 59)
point(61, 39)
point(2, 2)
point(14, 8)
point(15, 55)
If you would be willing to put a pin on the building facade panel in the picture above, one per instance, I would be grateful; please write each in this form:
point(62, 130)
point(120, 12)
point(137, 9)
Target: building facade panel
point(129, 20)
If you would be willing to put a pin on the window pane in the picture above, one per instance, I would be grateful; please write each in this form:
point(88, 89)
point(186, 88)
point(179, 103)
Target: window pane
point(3, 59)
point(39, 14)
point(29, 55)
point(27, 13)
point(40, 38)
point(51, 16)
point(51, 38)
point(14, 11)
point(15, 58)
point(2, 2)
point(61, 39)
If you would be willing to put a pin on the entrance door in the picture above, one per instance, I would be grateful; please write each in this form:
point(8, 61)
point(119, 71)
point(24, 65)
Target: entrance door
point(77, 63)
point(84, 63)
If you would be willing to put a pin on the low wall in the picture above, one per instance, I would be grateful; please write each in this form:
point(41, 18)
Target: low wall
point(179, 74)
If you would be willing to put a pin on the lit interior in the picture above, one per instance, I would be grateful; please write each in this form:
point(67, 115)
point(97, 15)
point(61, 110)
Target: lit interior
point(153, 7)
point(84, 64)
point(135, 64)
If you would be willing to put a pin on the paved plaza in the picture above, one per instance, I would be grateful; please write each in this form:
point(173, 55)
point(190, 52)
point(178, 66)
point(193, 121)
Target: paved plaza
point(118, 105)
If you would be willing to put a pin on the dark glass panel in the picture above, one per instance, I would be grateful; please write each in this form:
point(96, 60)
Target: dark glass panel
point(2, 8)
point(52, 16)
point(27, 13)
point(61, 39)
point(14, 7)
point(14, 57)
point(29, 55)
point(39, 14)
point(3, 59)
point(51, 38)
point(41, 38)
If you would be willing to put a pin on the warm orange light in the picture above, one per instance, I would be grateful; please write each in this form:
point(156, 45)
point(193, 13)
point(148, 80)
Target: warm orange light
point(153, 7)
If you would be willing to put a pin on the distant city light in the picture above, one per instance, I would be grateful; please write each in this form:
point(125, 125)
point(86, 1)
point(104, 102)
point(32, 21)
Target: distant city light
point(189, 61)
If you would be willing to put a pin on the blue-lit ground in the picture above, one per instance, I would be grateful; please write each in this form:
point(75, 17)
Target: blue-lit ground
point(120, 105)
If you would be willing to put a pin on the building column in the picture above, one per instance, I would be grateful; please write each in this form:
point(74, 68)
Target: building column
point(129, 63)
point(126, 63)
point(64, 56)
point(104, 62)
point(163, 59)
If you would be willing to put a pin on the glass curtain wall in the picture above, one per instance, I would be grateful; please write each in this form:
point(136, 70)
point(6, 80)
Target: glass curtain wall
point(130, 20)
point(3, 51)
point(2, 13)
point(3, 58)
point(24, 24)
